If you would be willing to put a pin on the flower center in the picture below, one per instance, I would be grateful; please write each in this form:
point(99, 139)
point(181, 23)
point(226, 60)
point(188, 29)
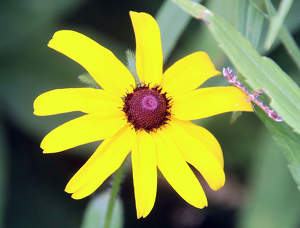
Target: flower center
point(149, 102)
point(147, 108)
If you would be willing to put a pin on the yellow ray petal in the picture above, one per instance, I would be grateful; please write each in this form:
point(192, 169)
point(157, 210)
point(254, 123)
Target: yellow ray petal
point(101, 63)
point(207, 102)
point(82, 99)
point(188, 74)
point(177, 172)
point(144, 173)
point(82, 130)
point(149, 57)
point(107, 159)
point(204, 136)
point(197, 154)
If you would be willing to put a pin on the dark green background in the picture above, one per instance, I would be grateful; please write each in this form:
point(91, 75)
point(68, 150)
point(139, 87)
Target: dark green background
point(259, 191)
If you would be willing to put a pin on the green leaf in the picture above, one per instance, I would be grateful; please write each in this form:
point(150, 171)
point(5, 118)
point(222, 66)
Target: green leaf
point(273, 201)
point(94, 216)
point(287, 140)
point(277, 22)
point(209, 45)
point(196, 31)
point(292, 19)
point(259, 5)
point(287, 39)
point(86, 78)
point(131, 65)
point(260, 72)
point(242, 15)
point(250, 22)
point(172, 22)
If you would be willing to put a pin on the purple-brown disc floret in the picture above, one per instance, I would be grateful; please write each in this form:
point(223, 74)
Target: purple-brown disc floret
point(147, 108)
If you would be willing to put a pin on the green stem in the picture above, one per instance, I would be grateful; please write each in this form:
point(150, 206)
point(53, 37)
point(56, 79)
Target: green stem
point(114, 194)
point(131, 65)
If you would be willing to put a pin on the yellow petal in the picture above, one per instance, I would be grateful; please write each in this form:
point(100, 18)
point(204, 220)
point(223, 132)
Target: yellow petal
point(107, 159)
point(197, 154)
point(207, 102)
point(177, 172)
point(144, 173)
point(204, 136)
point(188, 74)
point(82, 99)
point(149, 57)
point(101, 63)
point(82, 130)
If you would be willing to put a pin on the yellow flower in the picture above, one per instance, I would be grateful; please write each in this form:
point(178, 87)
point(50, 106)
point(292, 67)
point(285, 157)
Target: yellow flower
point(152, 120)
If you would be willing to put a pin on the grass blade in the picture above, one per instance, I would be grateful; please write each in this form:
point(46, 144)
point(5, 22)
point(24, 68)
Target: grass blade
point(260, 72)
point(287, 39)
point(277, 22)
point(288, 141)
point(250, 22)
point(172, 21)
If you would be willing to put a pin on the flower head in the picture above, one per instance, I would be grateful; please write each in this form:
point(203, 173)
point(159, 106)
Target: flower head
point(147, 108)
point(152, 119)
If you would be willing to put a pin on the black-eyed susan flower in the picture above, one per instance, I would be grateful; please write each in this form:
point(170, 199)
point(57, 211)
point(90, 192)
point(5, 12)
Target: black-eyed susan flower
point(151, 119)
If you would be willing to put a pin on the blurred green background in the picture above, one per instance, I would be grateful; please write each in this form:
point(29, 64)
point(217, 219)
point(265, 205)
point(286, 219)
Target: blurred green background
point(259, 190)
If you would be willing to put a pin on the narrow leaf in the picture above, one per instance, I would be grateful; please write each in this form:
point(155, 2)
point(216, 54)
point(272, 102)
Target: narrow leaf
point(254, 25)
point(286, 37)
point(94, 216)
point(287, 140)
point(259, 5)
point(242, 18)
point(131, 65)
point(277, 22)
point(260, 72)
point(250, 22)
point(86, 78)
point(172, 22)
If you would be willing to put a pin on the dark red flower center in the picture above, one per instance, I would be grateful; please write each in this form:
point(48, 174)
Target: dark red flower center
point(147, 108)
